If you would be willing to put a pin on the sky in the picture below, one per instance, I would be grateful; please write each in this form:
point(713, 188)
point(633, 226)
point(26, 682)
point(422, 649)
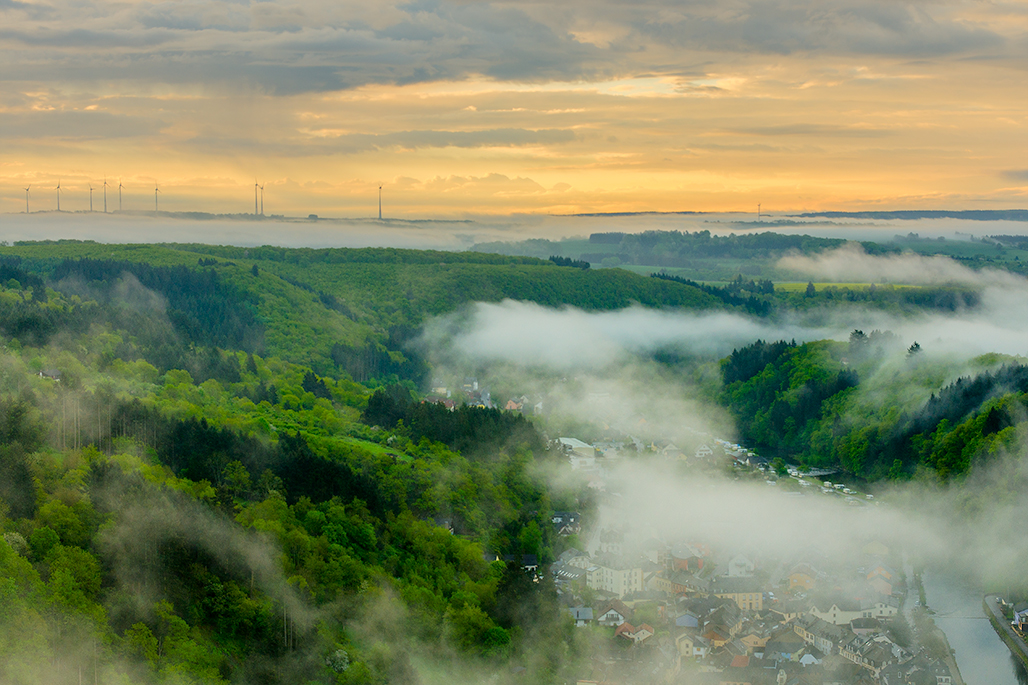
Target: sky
point(469, 107)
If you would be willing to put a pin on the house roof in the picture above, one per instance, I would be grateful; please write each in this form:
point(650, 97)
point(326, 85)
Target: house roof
point(735, 585)
point(615, 605)
point(581, 613)
point(569, 554)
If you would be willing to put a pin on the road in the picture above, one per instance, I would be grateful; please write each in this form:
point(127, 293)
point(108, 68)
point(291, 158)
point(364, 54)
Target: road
point(993, 606)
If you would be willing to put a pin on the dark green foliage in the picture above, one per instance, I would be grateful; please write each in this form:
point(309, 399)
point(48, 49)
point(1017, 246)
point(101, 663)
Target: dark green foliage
point(745, 363)
point(16, 487)
point(732, 293)
point(669, 248)
point(200, 305)
point(779, 392)
point(567, 261)
point(316, 386)
point(387, 406)
point(465, 428)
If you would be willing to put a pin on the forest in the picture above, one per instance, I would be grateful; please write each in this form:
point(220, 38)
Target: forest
point(181, 501)
point(804, 403)
point(216, 464)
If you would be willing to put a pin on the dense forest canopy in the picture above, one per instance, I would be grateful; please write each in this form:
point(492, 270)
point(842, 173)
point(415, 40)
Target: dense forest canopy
point(217, 464)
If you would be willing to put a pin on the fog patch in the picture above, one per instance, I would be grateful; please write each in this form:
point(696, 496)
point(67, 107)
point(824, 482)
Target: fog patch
point(572, 339)
point(851, 263)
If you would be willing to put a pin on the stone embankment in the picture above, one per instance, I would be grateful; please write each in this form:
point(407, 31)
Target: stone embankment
point(1006, 632)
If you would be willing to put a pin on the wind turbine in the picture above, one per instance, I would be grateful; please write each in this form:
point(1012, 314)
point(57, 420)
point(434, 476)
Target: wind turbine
point(105, 194)
point(119, 194)
point(380, 203)
point(155, 191)
point(255, 187)
point(27, 200)
point(90, 196)
point(58, 189)
point(262, 199)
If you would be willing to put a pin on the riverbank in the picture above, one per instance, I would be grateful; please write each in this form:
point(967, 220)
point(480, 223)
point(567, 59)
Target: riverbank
point(1015, 642)
point(937, 634)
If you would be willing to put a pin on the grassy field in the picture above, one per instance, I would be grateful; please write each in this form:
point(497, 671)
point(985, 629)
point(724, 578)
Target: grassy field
point(800, 287)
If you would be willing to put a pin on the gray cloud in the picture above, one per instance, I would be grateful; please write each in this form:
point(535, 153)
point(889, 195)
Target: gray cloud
point(1016, 174)
point(284, 47)
point(74, 124)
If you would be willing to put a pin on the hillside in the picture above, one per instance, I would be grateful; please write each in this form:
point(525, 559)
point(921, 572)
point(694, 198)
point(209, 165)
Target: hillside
point(703, 256)
point(339, 310)
point(182, 502)
point(877, 414)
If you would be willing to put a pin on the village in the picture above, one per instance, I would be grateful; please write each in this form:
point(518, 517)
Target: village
point(697, 611)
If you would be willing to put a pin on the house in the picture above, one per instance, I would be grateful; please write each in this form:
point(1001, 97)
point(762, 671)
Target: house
point(637, 634)
point(686, 557)
point(529, 562)
point(837, 610)
point(745, 592)
point(612, 540)
point(574, 557)
point(671, 451)
point(679, 583)
point(726, 621)
point(782, 645)
point(566, 522)
point(1020, 620)
point(881, 577)
point(692, 646)
point(613, 613)
point(740, 567)
point(581, 455)
point(821, 634)
point(704, 452)
point(51, 375)
point(789, 609)
point(616, 574)
point(687, 620)
point(754, 640)
point(803, 576)
point(582, 616)
point(866, 652)
point(865, 626)
point(565, 573)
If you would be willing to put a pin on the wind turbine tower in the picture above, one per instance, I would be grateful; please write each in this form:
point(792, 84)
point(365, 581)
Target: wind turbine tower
point(90, 197)
point(58, 189)
point(105, 194)
point(119, 194)
point(255, 187)
point(155, 191)
point(380, 203)
point(262, 199)
point(758, 211)
point(27, 200)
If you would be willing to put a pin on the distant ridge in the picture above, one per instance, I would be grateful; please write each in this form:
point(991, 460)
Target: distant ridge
point(969, 214)
point(635, 213)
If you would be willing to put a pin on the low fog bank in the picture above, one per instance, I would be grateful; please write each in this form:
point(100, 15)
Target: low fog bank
point(974, 531)
point(456, 234)
point(998, 324)
point(605, 369)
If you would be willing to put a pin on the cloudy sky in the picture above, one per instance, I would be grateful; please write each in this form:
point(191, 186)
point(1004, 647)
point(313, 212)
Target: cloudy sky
point(460, 107)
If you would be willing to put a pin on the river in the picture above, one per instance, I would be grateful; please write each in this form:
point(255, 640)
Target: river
point(982, 657)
